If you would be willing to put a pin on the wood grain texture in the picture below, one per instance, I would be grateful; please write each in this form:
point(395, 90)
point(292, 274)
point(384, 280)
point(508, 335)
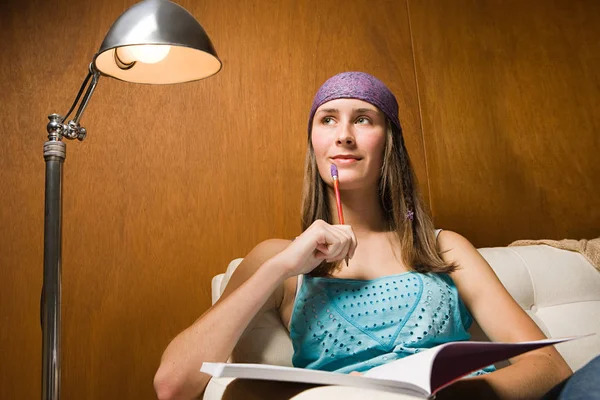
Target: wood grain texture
point(510, 95)
point(173, 181)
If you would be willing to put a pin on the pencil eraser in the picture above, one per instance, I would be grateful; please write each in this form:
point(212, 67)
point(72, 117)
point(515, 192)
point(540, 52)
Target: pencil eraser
point(334, 172)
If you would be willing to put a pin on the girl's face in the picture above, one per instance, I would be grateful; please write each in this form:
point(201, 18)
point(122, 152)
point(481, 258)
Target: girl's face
point(351, 134)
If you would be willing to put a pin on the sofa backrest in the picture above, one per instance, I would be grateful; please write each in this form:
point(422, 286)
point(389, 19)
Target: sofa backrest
point(559, 289)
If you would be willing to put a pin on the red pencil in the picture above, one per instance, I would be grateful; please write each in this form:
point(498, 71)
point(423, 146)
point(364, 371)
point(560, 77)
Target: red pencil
point(338, 200)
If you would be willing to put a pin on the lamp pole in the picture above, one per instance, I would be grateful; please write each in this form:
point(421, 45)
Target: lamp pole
point(55, 152)
point(163, 44)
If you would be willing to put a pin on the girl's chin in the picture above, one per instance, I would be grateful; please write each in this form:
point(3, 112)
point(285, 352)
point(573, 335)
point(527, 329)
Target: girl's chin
point(357, 184)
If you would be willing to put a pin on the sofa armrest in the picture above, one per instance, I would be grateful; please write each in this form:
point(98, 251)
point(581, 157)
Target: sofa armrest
point(559, 289)
point(215, 286)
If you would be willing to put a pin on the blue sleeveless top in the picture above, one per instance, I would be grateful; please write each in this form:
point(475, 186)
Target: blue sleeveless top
point(347, 325)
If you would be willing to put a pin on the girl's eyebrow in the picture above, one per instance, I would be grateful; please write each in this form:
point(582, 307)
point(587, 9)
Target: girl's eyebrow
point(362, 110)
point(356, 110)
point(329, 110)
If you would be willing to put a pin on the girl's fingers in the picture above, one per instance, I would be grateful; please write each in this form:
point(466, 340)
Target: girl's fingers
point(333, 242)
point(322, 248)
point(352, 241)
point(332, 239)
point(354, 245)
point(349, 241)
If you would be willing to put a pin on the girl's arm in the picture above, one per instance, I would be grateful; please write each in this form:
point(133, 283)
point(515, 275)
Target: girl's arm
point(254, 287)
point(530, 375)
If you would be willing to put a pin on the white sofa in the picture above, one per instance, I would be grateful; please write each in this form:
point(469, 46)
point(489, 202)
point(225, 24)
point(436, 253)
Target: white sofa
point(559, 289)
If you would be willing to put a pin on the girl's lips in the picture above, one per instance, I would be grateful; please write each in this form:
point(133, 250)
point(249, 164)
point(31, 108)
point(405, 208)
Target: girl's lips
point(344, 161)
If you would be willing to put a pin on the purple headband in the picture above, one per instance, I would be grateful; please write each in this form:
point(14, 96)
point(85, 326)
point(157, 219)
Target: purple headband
point(357, 85)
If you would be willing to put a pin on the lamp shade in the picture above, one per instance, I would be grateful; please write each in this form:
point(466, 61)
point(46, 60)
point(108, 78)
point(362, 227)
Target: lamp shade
point(182, 49)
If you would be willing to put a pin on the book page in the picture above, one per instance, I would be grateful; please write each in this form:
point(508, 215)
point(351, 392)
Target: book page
point(420, 374)
point(457, 359)
point(438, 367)
point(289, 374)
point(415, 369)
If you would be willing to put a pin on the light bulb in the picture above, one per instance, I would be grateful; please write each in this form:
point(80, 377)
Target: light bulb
point(145, 53)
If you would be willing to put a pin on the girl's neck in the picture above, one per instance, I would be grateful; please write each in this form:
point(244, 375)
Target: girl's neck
point(362, 210)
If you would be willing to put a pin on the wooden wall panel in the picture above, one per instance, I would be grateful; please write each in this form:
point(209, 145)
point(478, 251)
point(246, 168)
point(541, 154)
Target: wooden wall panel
point(172, 182)
point(510, 95)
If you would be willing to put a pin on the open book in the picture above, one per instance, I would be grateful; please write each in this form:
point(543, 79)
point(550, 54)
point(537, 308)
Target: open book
point(421, 374)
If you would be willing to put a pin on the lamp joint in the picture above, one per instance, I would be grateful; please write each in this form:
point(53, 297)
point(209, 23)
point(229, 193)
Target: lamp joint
point(57, 129)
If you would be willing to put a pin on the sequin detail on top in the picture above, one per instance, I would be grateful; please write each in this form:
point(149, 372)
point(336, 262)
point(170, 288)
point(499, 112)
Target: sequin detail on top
point(349, 325)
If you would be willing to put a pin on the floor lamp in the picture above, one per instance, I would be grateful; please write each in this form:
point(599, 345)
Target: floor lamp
point(155, 42)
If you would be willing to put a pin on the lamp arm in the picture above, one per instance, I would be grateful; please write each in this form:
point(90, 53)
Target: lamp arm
point(88, 94)
point(57, 128)
point(83, 85)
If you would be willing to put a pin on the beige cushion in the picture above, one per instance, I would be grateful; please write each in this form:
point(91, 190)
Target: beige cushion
point(559, 289)
point(268, 340)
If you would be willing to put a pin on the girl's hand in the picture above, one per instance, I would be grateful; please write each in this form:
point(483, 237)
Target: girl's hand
point(320, 241)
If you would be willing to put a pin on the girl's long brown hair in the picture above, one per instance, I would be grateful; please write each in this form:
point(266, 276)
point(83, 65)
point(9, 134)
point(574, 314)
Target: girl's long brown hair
point(399, 195)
